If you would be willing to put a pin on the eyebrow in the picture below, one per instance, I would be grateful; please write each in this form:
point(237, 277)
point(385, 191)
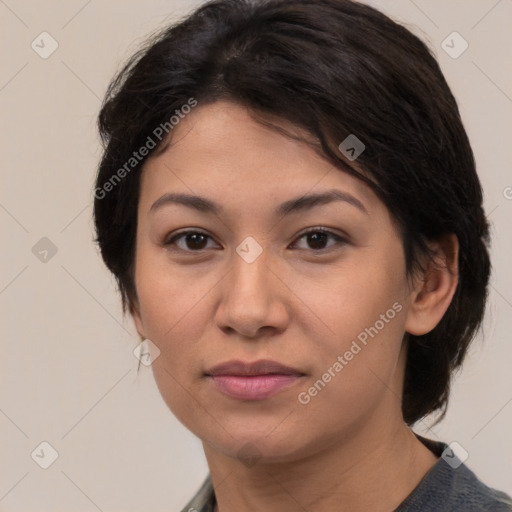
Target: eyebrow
point(295, 205)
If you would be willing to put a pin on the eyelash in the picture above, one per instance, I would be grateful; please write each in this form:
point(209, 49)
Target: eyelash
point(339, 239)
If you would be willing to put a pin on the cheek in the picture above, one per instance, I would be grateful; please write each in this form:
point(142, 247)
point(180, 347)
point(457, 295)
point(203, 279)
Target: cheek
point(174, 312)
point(363, 310)
point(357, 370)
point(355, 298)
point(173, 308)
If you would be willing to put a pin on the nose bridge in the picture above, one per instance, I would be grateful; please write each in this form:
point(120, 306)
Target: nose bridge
point(250, 296)
point(250, 274)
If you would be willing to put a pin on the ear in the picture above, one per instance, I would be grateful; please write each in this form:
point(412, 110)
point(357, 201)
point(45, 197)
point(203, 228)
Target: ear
point(434, 288)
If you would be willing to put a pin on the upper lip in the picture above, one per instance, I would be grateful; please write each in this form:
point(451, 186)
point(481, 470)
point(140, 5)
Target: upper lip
point(261, 367)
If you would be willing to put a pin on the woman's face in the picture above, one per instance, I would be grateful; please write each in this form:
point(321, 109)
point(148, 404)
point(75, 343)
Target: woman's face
point(251, 285)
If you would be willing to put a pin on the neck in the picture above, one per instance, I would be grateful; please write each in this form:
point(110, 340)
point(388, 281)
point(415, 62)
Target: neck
point(371, 471)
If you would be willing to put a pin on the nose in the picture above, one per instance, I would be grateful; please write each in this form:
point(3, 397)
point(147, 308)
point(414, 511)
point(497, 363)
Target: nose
point(253, 299)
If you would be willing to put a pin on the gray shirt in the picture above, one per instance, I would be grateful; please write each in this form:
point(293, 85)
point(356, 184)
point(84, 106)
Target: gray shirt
point(447, 487)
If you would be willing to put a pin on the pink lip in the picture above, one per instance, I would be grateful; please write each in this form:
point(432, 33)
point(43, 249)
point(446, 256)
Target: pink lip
point(256, 387)
point(252, 381)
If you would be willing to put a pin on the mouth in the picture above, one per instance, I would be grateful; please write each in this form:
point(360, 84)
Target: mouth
point(252, 381)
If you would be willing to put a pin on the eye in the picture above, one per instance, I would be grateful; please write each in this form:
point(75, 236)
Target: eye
point(190, 241)
point(317, 239)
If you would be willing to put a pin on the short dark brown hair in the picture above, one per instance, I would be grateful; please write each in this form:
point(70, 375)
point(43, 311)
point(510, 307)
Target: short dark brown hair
point(334, 68)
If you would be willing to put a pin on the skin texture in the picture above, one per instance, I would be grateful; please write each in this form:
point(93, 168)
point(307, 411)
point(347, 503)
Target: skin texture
point(298, 303)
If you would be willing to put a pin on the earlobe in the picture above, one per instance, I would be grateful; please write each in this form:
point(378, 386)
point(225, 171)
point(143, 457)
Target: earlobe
point(435, 288)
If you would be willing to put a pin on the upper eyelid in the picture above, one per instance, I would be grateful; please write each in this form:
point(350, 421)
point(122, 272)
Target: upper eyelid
point(175, 236)
point(322, 229)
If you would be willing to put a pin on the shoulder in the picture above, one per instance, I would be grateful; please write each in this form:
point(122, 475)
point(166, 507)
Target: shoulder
point(203, 500)
point(450, 486)
point(471, 494)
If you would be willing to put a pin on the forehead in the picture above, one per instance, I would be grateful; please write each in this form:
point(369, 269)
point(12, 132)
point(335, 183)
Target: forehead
point(221, 150)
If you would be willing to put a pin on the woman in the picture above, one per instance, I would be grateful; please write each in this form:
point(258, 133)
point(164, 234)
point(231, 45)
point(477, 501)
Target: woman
point(289, 203)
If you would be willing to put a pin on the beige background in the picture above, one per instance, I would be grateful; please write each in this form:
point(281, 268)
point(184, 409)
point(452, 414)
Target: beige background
point(68, 375)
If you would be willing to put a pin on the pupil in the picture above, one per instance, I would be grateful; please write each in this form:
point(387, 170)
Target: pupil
point(317, 240)
point(197, 241)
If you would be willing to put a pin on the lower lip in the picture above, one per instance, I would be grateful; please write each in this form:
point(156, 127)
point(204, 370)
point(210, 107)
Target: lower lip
point(254, 387)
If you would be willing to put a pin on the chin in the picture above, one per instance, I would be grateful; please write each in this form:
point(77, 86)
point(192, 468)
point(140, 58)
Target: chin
point(266, 445)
